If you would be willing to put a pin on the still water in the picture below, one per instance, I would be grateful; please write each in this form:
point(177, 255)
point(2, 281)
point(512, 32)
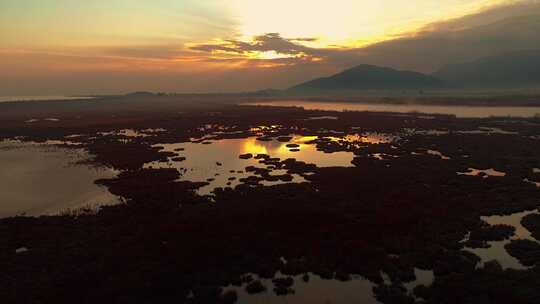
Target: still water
point(43, 179)
point(497, 251)
point(39, 98)
point(218, 161)
point(459, 111)
point(316, 291)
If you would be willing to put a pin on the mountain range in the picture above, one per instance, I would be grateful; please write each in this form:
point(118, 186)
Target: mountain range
point(509, 70)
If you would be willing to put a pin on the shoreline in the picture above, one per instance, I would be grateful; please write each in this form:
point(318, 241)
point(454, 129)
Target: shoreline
point(482, 99)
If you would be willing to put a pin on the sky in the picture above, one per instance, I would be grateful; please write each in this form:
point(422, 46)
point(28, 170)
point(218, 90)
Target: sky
point(117, 46)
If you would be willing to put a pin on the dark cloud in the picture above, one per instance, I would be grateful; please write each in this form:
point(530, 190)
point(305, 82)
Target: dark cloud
point(216, 47)
point(488, 16)
point(304, 39)
point(457, 41)
point(263, 43)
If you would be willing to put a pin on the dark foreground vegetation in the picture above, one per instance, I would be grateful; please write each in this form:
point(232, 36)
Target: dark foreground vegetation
point(390, 214)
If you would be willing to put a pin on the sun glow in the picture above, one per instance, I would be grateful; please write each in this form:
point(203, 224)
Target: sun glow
point(346, 23)
point(272, 55)
point(303, 18)
point(252, 146)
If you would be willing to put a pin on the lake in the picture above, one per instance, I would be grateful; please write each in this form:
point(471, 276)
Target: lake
point(218, 162)
point(459, 111)
point(41, 98)
point(39, 179)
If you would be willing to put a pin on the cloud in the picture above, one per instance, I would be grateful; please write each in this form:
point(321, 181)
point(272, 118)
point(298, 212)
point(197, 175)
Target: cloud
point(304, 39)
point(494, 31)
point(260, 46)
point(486, 16)
point(163, 52)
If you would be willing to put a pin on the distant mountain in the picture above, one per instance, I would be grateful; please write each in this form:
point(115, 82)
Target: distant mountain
point(370, 77)
point(515, 69)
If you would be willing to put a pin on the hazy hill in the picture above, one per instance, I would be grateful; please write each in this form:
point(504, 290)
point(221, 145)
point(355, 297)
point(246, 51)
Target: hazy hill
point(515, 69)
point(370, 77)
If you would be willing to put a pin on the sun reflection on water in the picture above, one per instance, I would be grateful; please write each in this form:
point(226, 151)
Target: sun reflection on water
point(252, 146)
point(219, 164)
point(280, 149)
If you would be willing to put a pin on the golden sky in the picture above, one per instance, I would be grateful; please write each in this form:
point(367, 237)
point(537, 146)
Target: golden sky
point(181, 37)
point(102, 23)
